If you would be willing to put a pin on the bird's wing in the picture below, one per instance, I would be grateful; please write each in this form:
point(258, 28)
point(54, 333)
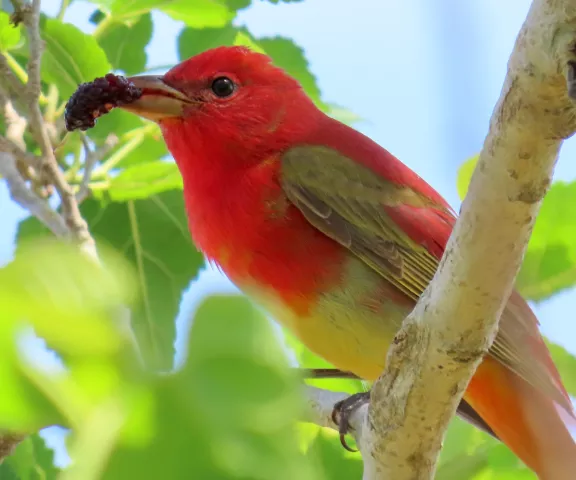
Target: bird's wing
point(401, 233)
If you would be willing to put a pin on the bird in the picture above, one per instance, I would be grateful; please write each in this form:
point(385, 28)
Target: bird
point(336, 238)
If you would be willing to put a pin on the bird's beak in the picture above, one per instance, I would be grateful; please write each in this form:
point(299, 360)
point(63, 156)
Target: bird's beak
point(158, 101)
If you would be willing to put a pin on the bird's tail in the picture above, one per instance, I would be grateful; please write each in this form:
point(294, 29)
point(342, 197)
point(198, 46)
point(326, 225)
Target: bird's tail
point(537, 429)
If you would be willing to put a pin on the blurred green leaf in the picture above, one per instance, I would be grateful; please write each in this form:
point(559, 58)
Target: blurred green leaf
point(464, 452)
point(32, 460)
point(69, 301)
point(505, 465)
point(465, 175)
point(52, 277)
point(566, 364)
point(8, 473)
point(550, 261)
point(307, 359)
point(152, 234)
point(9, 34)
point(233, 355)
point(143, 180)
point(71, 57)
point(338, 463)
point(124, 44)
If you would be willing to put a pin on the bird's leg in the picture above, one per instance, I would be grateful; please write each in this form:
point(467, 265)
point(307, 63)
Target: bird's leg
point(343, 409)
point(342, 412)
point(325, 373)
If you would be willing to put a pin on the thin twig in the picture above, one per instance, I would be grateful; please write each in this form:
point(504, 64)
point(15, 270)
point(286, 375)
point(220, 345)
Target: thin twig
point(10, 82)
point(78, 228)
point(92, 157)
point(27, 199)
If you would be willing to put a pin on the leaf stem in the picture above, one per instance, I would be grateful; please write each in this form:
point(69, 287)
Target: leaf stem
point(102, 26)
point(63, 7)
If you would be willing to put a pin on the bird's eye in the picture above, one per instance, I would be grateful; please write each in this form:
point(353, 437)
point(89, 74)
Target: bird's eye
point(223, 87)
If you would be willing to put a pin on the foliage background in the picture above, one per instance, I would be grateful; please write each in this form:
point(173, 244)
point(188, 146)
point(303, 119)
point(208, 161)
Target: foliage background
point(419, 77)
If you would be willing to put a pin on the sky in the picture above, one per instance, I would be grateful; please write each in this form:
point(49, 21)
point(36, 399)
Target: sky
point(424, 77)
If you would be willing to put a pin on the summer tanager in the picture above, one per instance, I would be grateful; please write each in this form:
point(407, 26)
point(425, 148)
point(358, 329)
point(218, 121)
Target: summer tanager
point(336, 237)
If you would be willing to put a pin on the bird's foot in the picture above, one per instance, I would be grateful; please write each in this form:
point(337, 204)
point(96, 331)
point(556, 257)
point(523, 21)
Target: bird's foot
point(342, 412)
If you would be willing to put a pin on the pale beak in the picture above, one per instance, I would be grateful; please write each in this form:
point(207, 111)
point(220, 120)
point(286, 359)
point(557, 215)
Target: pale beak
point(158, 100)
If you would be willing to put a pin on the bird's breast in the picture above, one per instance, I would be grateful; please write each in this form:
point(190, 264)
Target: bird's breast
point(332, 301)
point(246, 225)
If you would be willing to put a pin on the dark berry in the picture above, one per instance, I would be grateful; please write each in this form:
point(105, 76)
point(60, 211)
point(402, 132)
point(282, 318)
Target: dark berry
point(96, 98)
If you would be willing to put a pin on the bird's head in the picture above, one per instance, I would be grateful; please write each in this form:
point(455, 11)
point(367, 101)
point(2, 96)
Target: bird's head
point(228, 95)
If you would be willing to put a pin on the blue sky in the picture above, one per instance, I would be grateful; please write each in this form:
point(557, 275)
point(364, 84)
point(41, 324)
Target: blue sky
point(424, 75)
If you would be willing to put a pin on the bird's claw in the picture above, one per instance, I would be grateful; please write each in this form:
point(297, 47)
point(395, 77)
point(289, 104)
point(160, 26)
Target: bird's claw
point(342, 412)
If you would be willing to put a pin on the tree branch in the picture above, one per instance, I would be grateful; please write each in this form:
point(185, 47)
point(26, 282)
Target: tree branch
point(92, 157)
point(456, 319)
point(27, 199)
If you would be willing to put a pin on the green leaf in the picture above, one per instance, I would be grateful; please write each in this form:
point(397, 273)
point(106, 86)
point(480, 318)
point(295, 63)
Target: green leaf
point(141, 144)
point(122, 10)
point(9, 34)
point(566, 364)
point(32, 460)
point(343, 114)
point(550, 262)
point(465, 451)
point(71, 57)
point(118, 122)
point(125, 43)
point(306, 359)
point(193, 41)
point(199, 13)
point(465, 175)
point(144, 180)
point(338, 463)
point(505, 465)
point(148, 146)
point(237, 4)
point(197, 428)
point(153, 235)
point(290, 57)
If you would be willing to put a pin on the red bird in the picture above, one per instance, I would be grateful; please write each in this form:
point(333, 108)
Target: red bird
point(336, 237)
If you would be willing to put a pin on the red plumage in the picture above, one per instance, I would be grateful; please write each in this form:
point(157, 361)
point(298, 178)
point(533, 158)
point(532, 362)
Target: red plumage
point(338, 238)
